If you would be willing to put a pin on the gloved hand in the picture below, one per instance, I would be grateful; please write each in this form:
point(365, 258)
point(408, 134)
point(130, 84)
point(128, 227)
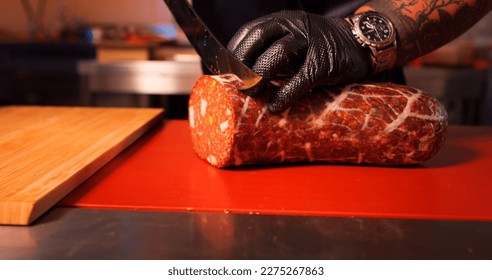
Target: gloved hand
point(311, 49)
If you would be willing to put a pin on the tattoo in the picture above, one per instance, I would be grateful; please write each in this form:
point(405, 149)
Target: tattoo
point(425, 25)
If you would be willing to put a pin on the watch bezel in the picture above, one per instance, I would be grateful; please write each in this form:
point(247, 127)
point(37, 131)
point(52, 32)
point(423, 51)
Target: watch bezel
point(365, 41)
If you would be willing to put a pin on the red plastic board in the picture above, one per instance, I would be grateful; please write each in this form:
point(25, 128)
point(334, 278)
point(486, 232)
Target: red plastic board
point(162, 172)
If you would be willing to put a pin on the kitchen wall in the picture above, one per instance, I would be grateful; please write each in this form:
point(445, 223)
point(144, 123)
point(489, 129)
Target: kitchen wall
point(13, 19)
point(442, 79)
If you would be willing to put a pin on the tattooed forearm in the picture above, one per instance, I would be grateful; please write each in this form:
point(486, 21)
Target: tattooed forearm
point(425, 25)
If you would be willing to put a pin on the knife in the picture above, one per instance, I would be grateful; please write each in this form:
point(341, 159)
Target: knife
point(215, 56)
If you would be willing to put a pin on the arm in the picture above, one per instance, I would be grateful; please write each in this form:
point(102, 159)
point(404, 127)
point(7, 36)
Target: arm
point(313, 51)
point(425, 25)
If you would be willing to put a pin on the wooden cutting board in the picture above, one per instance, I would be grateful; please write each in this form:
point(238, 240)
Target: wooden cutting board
point(46, 152)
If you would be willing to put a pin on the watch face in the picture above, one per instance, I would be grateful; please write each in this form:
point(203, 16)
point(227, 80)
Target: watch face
point(376, 28)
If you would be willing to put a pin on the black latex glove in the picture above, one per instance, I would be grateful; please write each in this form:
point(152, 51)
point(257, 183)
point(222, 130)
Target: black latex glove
point(311, 49)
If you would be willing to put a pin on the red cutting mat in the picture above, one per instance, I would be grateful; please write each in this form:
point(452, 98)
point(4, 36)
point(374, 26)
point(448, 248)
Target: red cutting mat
point(161, 172)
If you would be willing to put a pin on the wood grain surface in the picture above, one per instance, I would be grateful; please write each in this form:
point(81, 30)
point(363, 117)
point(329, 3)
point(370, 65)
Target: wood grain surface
point(46, 152)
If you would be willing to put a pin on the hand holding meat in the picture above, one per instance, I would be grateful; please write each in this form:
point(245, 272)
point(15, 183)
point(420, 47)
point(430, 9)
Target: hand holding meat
point(321, 50)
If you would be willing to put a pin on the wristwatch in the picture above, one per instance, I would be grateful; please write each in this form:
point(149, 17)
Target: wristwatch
point(376, 33)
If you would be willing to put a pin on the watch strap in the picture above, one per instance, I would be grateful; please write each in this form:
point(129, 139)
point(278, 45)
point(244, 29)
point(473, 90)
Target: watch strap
point(382, 58)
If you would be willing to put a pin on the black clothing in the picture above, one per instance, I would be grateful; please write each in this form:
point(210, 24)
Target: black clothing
point(225, 17)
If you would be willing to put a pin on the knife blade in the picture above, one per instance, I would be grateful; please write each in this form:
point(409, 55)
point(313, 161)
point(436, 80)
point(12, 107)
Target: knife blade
point(214, 56)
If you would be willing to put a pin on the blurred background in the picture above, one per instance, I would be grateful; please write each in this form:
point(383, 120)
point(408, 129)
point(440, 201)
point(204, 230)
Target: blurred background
point(130, 53)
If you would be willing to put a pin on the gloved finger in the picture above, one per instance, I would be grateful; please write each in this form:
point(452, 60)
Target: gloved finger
point(250, 45)
point(295, 88)
point(281, 59)
point(242, 33)
point(284, 57)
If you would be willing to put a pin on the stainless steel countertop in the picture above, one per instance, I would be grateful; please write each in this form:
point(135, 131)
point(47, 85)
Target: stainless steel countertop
point(69, 233)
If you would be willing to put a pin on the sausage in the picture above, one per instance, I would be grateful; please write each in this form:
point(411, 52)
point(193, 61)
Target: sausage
point(376, 124)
